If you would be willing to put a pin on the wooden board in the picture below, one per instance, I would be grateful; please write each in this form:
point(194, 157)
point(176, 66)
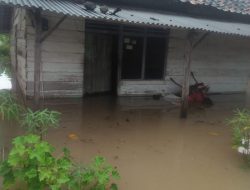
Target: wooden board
point(98, 60)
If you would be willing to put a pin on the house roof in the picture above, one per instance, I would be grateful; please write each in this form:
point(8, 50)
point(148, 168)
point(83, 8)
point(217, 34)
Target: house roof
point(235, 6)
point(133, 16)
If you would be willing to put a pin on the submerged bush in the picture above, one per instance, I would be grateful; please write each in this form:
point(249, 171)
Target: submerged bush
point(38, 122)
point(96, 176)
point(31, 163)
point(240, 124)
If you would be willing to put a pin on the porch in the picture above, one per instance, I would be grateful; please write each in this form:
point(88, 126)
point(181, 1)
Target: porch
point(150, 145)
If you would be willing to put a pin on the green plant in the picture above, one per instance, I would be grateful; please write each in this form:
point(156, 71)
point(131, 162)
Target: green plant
point(4, 53)
point(240, 123)
point(9, 108)
point(96, 176)
point(31, 163)
point(40, 121)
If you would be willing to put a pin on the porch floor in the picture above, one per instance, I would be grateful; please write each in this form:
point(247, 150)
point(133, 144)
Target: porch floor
point(152, 148)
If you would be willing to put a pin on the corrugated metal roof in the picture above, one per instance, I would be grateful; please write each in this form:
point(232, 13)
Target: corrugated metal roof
point(235, 6)
point(133, 16)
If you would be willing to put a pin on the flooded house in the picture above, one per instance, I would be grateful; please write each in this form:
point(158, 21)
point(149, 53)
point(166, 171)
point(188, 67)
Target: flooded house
point(65, 51)
point(72, 48)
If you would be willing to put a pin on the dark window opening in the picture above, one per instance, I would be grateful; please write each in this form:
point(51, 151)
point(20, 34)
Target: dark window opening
point(132, 57)
point(155, 58)
point(144, 57)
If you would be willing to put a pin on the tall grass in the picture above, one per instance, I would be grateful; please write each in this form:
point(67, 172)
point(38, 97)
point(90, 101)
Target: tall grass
point(9, 108)
point(38, 122)
point(240, 124)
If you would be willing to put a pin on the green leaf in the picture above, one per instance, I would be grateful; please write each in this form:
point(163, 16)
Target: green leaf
point(32, 173)
point(115, 174)
point(113, 187)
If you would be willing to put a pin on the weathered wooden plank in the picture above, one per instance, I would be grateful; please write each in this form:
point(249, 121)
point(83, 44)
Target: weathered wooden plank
point(21, 65)
point(57, 47)
point(68, 24)
point(59, 94)
point(58, 76)
point(58, 58)
point(37, 61)
point(67, 36)
point(57, 85)
point(59, 68)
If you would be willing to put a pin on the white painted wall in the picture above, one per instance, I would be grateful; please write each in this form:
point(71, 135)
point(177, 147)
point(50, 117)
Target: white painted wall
point(222, 62)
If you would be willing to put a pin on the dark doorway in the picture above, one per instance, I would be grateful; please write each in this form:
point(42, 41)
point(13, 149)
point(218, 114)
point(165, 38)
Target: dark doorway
point(100, 66)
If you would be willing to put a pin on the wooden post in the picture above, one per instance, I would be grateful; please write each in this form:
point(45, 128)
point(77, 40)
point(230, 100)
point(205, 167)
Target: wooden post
point(37, 60)
point(144, 52)
point(120, 54)
point(190, 46)
point(15, 61)
point(185, 86)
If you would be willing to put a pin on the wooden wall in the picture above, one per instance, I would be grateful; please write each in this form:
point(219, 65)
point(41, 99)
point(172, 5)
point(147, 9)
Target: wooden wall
point(221, 61)
point(62, 58)
point(19, 47)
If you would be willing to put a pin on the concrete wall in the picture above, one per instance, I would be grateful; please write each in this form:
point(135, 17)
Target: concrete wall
point(222, 62)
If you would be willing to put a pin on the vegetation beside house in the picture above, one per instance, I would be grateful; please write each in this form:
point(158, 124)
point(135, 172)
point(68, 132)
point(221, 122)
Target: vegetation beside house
point(4, 53)
point(31, 161)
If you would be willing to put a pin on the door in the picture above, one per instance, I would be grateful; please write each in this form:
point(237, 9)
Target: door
point(98, 63)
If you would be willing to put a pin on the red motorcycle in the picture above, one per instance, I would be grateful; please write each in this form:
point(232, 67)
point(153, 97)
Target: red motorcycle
point(198, 92)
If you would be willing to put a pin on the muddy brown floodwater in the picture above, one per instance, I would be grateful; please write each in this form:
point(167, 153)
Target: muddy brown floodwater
point(152, 148)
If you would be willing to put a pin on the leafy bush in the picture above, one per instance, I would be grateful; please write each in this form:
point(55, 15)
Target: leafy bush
point(32, 163)
point(96, 176)
point(9, 108)
point(40, 121)
point(240, 124)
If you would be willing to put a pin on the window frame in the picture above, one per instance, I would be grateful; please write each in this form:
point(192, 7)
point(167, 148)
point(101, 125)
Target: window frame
point(145, 35)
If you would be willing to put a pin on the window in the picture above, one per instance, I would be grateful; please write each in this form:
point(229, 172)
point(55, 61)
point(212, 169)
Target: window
point(155, 58)
point(144, 57)
point(132, 57)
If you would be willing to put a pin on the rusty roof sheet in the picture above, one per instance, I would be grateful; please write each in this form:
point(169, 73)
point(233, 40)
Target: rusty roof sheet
point(132, 16)
point(235, 6)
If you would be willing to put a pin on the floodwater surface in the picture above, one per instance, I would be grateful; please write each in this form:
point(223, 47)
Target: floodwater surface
point(151, 146)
